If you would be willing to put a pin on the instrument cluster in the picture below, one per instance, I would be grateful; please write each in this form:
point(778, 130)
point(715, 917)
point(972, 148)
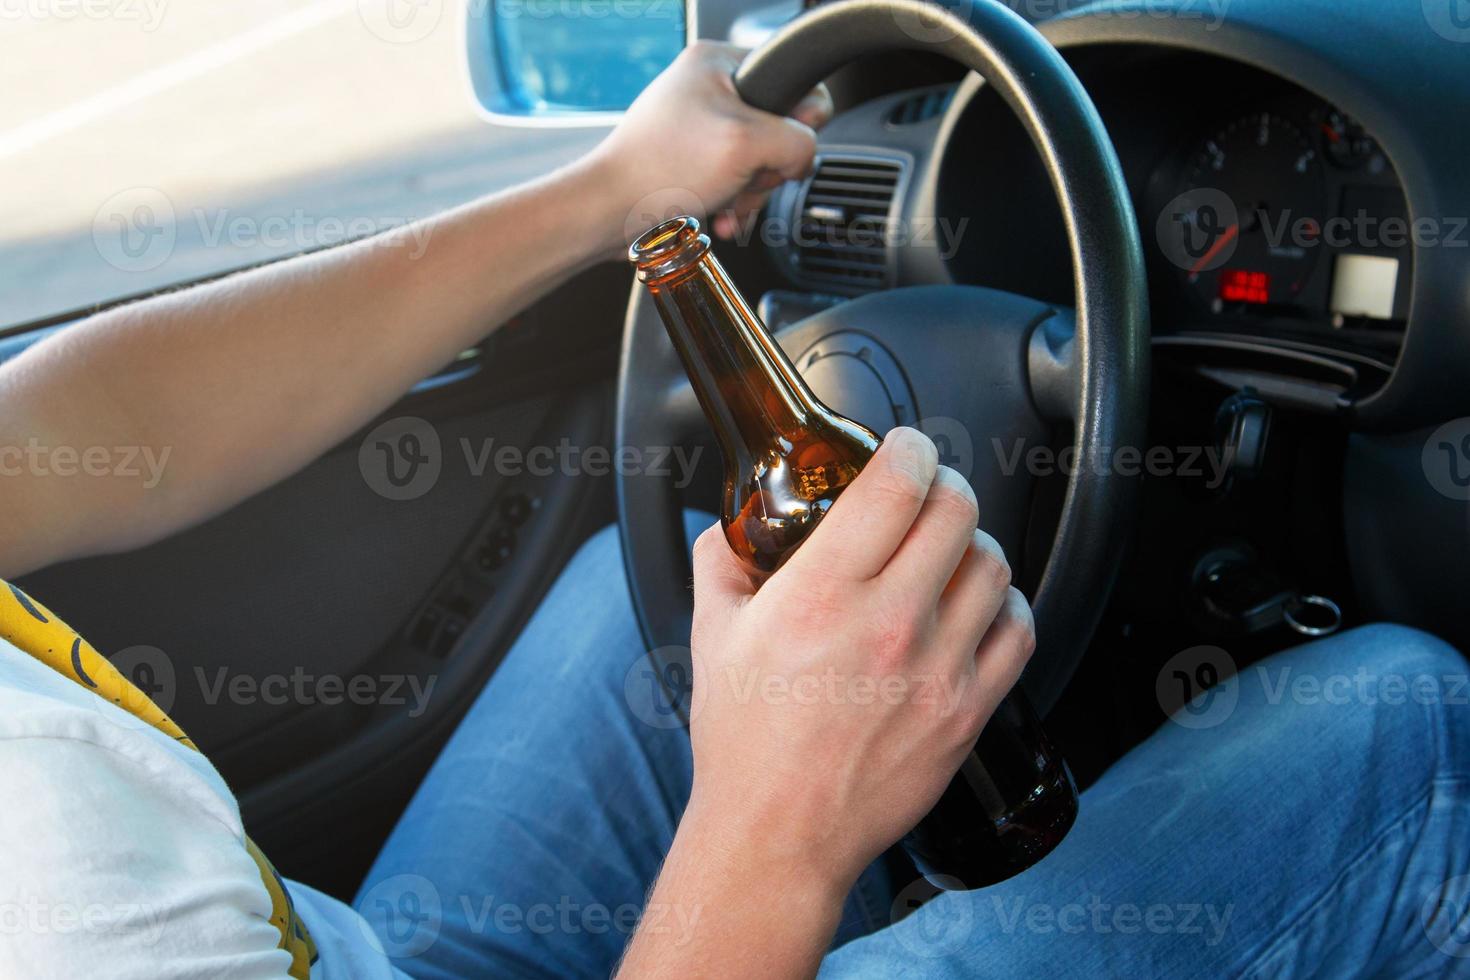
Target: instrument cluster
point(1287, 210)
point(1262, 208)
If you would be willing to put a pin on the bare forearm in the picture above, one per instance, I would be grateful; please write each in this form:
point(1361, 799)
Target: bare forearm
point(727, 906)
point(243, 381)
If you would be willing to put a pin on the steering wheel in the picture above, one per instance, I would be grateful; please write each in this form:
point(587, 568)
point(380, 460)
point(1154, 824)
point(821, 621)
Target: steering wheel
point(1003, 368)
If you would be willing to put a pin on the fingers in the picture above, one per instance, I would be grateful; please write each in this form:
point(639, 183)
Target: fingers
point(736, 219)
point(766, 149)
point(976, 593)
point(746, 205)
point(726, 224)
point(869, 522)
point(926, 560)
point(788, 145)
point(1004, 651)
point(816, 109)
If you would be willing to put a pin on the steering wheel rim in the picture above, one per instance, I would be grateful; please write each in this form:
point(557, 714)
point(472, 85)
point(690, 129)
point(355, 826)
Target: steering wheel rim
point(1098, 376)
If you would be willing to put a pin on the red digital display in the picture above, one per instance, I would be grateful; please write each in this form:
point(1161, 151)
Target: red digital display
point(1244, 286)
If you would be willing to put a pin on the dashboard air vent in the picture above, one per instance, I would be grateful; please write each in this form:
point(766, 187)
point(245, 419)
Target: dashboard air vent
point(921, 106)
point(842, 222)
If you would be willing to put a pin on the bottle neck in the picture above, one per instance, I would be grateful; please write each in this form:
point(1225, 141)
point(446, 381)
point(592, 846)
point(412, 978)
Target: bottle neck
point(746, 384)
point(744, 381)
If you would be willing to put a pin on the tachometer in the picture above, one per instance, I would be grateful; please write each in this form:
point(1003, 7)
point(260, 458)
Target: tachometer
point(1245, 226)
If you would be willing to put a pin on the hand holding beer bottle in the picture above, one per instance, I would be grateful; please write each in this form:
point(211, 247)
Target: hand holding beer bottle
point(940, 626)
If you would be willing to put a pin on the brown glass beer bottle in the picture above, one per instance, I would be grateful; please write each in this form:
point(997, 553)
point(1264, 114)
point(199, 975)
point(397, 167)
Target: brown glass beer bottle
point(787, 457)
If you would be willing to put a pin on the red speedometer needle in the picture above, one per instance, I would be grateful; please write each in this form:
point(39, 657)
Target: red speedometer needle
point(1225, 238)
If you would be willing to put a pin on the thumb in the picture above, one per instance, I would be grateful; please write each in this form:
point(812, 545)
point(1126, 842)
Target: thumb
point(721, 584)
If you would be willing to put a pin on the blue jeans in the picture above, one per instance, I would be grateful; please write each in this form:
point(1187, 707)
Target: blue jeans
point(1320, 827)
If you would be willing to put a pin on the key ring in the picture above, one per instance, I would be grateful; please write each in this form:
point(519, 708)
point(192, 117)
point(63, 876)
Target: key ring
point(1319, 601)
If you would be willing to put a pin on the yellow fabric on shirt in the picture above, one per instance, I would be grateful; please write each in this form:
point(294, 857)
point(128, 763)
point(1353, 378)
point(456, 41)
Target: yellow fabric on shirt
point(33, 628)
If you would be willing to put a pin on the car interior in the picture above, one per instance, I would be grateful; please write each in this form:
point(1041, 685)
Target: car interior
point(966, 256)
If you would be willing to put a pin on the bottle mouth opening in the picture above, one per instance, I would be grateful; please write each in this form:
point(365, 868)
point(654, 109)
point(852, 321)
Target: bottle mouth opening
point(668, 247)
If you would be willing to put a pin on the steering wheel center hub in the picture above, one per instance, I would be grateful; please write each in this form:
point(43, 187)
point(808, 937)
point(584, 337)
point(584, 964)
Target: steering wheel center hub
point(858, 377)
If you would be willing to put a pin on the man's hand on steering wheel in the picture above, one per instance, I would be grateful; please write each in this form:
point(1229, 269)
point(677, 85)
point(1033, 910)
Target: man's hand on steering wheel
point(691, 145)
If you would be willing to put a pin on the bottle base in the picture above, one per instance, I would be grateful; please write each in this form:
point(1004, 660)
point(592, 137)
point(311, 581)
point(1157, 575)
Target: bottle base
point(992, 853)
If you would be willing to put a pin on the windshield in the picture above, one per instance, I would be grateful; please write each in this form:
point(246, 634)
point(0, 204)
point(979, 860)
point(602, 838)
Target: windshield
point(160, 141)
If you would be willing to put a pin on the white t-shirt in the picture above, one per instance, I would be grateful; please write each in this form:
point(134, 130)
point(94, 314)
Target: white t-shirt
point(122, 852)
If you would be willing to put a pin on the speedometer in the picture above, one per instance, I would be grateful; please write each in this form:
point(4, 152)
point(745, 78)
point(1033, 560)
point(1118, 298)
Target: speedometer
point(1245, 227)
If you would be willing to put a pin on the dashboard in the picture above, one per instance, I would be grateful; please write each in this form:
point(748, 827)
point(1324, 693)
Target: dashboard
point(1259, 203)
point(1296, 189)
point(1297, 171)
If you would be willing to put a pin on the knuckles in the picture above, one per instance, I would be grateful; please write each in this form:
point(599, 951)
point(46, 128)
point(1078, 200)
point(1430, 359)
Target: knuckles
point(820, 604)
point(705, 553)
point(734, 140)
point(703, 55)
point(1025, 623)
point(994, 570)
point(892, 644)
point(955, 502)
point(898, 487)
point(895, 633)
point(968, 718)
